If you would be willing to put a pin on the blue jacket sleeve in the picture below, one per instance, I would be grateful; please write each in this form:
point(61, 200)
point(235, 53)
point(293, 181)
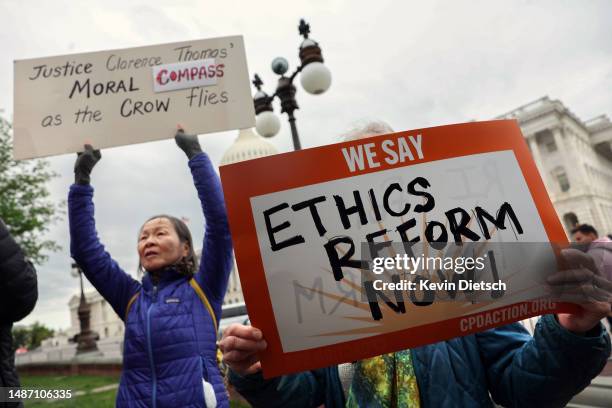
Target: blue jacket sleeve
point(116, 286)
point(545, 370)
point(301, 390)
point(216, 260)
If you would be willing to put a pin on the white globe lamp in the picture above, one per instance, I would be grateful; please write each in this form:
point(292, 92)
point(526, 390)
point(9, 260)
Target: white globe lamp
point(315, 78)
point(267, 124)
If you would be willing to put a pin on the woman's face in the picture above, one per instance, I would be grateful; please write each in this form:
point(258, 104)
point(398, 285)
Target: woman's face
point(159, 245)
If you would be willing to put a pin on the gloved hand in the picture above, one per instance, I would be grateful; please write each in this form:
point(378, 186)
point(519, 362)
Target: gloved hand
point(188, 143)
point(85, 162)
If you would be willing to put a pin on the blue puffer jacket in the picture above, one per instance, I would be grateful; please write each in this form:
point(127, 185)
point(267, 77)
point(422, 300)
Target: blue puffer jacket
point(505, 364)
point(170, 338)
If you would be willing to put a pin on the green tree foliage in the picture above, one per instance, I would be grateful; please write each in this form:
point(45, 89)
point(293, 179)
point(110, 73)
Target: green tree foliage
point(21, 336)
point(39, 332)
point(31, 336)
point(25, 206)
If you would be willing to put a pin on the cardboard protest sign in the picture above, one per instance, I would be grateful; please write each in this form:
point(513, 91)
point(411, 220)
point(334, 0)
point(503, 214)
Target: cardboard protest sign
point(318, 234)
point(128, 96)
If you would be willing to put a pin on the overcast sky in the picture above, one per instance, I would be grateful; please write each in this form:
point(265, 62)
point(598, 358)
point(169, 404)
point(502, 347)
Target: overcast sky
point(411, 63)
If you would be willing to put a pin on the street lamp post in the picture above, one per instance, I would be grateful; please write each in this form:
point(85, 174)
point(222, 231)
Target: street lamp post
point(315, 78)
point(86, 339)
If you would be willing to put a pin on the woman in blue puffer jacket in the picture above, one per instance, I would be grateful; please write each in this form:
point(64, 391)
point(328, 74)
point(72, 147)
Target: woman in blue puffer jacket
point(171, 317)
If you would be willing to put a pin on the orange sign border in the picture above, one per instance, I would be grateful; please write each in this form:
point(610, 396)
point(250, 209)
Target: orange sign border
point(243, 180)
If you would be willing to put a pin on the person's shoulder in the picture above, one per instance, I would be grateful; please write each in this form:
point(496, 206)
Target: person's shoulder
point(4, 232)
point(602, 243)
point(8, 247)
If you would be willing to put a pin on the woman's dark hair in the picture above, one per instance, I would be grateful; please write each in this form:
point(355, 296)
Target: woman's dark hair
point(187, 265)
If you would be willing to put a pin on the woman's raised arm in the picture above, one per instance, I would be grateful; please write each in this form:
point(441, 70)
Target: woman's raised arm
point(116, 286)
point(216, 260)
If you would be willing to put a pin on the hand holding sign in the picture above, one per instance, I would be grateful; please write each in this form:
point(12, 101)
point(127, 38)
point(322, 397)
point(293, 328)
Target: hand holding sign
point(240, 346)
point(85, 162)
point(584, 283)
point(188, 143)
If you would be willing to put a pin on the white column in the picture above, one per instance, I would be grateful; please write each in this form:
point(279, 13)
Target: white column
point(557, 135)
point(537, 157)
point(574, 159)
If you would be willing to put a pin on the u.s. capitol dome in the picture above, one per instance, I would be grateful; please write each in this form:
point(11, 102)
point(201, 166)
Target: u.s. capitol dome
point(247, 146)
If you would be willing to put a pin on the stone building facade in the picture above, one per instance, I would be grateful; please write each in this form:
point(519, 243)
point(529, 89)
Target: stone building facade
point(574, 158)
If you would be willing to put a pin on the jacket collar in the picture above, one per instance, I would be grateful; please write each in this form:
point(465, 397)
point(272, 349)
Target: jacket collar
point(166, 277)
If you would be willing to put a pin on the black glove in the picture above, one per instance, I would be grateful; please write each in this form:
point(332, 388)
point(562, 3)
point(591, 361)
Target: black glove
point(85, 162)
point(188, 143)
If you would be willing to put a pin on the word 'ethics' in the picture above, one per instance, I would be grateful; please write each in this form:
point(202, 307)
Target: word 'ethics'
point(404, 148)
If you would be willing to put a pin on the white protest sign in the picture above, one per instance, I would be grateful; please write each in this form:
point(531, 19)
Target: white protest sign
point(128, 96)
